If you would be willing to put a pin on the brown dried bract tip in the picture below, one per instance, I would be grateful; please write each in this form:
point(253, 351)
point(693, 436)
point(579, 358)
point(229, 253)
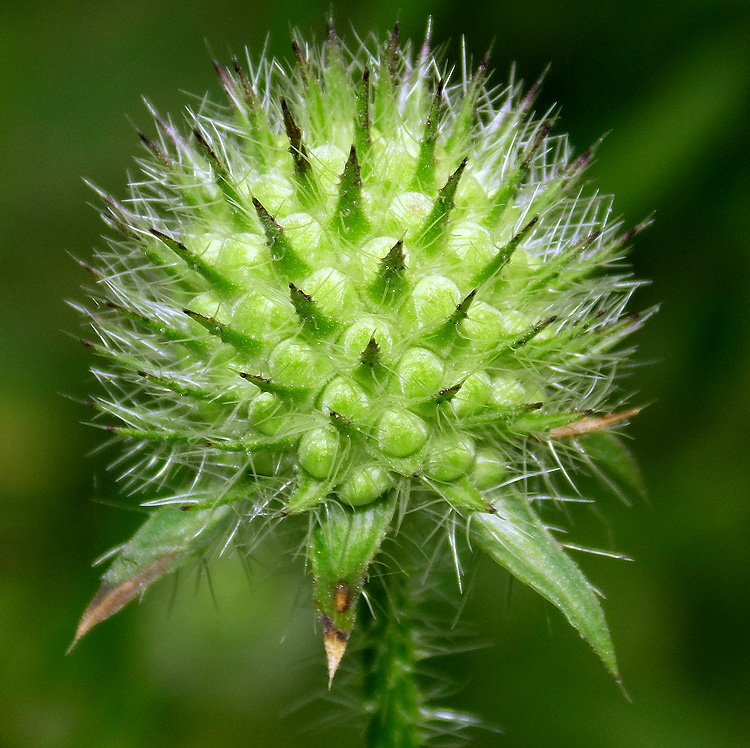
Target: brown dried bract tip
point(483, 64)
point(625, 238)
point(448, 393)
point(331, 29)
point(334, 641)
point(591, 425)
point(298, 293)
point(538, 140)
point(91, 269)
point(110, 600)
point(210, 154)
point(580, 164)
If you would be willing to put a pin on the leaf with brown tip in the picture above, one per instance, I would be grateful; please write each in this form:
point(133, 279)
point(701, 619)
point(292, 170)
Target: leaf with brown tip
point(167, 539)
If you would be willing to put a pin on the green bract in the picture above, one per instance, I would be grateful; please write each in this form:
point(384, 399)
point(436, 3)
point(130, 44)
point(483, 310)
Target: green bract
point(362, 284)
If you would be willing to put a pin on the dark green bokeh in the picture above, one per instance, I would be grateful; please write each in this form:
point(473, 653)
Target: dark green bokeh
point(670, 82)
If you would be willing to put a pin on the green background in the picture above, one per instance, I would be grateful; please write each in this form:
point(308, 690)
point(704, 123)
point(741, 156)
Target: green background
point(670, 82)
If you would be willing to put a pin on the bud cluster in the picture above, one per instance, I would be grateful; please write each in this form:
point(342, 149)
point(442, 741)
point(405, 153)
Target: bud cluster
point(361, 279)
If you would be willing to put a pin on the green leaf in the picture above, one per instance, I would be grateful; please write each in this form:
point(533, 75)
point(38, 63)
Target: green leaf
point(167, 540)
point(516, 538)
point(607, 450)
point(342, 545)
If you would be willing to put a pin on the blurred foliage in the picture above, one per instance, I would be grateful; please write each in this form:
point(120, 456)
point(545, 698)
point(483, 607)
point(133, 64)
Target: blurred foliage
point(670, 83)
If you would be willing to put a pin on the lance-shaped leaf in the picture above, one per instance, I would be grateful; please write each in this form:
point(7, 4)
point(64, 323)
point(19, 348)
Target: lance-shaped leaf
point(342, 545)
point(516, 538)
point(607, 450)
point(167, 540)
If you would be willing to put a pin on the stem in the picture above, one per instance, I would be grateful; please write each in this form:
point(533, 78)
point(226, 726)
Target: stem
point(389, 660)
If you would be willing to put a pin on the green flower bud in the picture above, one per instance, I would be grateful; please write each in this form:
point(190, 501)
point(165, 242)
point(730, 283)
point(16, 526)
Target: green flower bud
point(360, 286)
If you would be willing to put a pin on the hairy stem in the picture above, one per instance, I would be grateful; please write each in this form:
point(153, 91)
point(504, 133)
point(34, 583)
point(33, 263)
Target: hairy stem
point(389, 662)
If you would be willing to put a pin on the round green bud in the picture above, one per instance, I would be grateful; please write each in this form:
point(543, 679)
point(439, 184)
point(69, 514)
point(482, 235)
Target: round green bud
point(518, 270)
point(329, 162)
point(409, 210)
point(262, 316)
point(344, 397)
point(470, 248)
point(435, 298)
point(420, 373)
point(401, 434)
point(274, 190)
point(365, 485)
point(483, 325)
point(317, 451)
point(489, 469)
point(333, 293)
point(209, 305)
point(304, 232)
point(473, 395)
point(263, 413)
point(279, 239)
point(244, 258)
point(357, 336)
point(451, 457)
point(506, 391)
point(294, 363)
point(515, 323)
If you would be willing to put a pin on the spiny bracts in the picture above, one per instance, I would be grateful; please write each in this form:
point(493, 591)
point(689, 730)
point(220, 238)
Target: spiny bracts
point(364, 283)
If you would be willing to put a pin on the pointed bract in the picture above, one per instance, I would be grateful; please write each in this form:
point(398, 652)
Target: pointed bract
point(343, 545)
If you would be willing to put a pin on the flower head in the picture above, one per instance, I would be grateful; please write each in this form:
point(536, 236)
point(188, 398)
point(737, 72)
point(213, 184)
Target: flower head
point(364, 282)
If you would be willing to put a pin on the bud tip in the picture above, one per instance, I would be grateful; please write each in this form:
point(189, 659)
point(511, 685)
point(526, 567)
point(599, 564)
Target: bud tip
point(335, 642)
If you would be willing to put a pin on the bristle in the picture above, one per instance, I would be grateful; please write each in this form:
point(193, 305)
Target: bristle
point(501, 259)
point(458, 141)
point(241, 342)
point(423, 177)
point(350, 218)
point(158, 327)
point(389, 285)
point(282, 252)
point(362, 121)
point(302, 166)
point(435, 225)
point(221, 283)
point(156, 150)
point(222, 176)
point(312, 319)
